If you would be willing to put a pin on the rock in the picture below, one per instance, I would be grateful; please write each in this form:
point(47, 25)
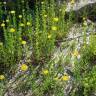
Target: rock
point(79, 4)
point(83, 8)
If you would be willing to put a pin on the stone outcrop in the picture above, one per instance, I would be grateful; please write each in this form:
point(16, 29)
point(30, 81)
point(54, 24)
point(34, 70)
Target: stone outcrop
point(80, 9)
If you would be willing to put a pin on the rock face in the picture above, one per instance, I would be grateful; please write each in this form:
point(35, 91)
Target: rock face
point(79, 4)
point(80, 9)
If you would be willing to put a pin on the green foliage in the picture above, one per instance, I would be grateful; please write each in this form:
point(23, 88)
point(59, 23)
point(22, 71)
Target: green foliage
point(85, 70)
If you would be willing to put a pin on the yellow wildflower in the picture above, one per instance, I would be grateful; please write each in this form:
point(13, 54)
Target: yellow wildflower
point(12, 30)
point(28, 23)
point(85, 23)
point(72, 1)
point(65, 77)
point(84, 18)
point(42, 2)
point(2, 25)
point(2, 77)
point(45, 15)
point(55, 19)
point(20, 16)
point(20, 38)
point(7, 20)
point(24, 67)
point(12, 12)
point(86, 84)
point(45, 71)
point(49, 36)
point(22, 24)
point(76, 53)
point(23, 42)
point(1, 44)
point(54, 28)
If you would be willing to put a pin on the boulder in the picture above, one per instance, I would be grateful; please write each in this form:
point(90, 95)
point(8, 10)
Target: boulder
point(82, 9)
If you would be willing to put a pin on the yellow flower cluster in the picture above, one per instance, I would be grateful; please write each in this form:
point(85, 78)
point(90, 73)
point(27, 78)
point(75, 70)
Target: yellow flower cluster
point(12, 12)
point(72, 1)
point(1, 44)
point(2, 77)
point(22, 24)
point(7, 20)
point(12, 30)
point(65, 77)
point(55, 19)
point(85, 23)
point(20, 38)
point(2, 25)
point(42, 2)
point(54, 28)
point(45, 15)
point(28, 23)
point(20, 16)
point(24, 67)
point(45, 71)
point(49, 36)
point(23, 42)
point(76, 53)
point(84, 18)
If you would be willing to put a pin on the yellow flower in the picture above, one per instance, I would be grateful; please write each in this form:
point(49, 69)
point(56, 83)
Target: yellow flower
point(23, 42)
point(22, 24)
point(85, 23)
point(86, 84)
point(1, 44)
point(12, 30)
point(24, 67)
point(28, 23)
point(55, 19)
point(65, 77)
point(7, 20)
point(45, 15)
point(84, 18)
point(76, 53)
point(49, 36)
point(2, 77)
point(42, 2)
point(20, 38)
point(12, 12)
point(72, 1)
point(2, 25)
point(54, 28)
point(20, 16)
point(45, 71)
